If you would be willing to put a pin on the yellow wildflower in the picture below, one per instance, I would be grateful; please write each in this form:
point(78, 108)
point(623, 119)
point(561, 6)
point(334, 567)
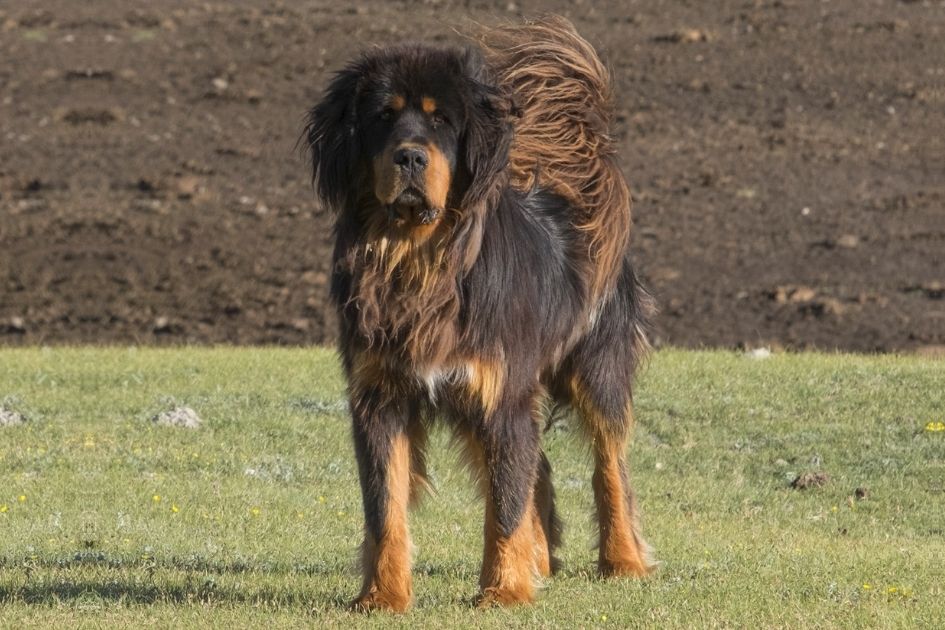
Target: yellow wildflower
point(934, 427)
point(254, 511)
point(174, 508)
point(867, 586)
point(156, 498)
point(3, 508)
point(21, 498)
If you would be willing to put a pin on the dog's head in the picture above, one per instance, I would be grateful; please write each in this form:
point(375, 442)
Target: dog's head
point(404, 133)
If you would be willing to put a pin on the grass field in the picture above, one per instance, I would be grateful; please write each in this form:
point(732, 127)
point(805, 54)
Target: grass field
point(109, 520)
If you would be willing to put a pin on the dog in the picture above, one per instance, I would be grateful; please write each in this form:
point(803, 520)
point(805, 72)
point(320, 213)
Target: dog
point(481, 271)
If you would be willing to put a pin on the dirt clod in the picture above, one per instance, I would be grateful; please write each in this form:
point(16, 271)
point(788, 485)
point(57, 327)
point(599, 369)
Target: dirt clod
point(10, 418)
point(808, 480)
point(182, 417)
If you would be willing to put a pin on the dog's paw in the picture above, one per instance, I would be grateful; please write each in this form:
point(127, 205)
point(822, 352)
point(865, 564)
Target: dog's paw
point(497, 596)
point(623, 568)
point(376, 600)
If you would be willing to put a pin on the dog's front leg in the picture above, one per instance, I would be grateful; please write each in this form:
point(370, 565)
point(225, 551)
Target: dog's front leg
point(509, 448)
point(382, 445)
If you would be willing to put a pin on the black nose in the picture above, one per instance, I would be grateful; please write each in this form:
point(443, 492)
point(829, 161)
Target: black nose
point(411, 158)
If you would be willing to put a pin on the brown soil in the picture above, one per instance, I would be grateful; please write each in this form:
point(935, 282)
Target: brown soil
point(786, 159)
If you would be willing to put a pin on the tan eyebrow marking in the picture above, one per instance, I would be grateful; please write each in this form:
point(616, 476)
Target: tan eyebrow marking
point(397, 102)
point(428, 105)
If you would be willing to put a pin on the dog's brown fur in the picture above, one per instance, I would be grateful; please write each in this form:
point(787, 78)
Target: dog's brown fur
point(563, 135)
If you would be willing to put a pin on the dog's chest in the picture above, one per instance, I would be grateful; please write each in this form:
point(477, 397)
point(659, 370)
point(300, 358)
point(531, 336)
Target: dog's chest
point(436, 381)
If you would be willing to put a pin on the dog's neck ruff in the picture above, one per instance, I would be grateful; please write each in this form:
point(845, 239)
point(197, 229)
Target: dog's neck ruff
point(406, 295)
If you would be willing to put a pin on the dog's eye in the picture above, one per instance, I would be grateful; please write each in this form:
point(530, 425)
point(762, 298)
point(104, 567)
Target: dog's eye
point(386, 114)
point(439, 119)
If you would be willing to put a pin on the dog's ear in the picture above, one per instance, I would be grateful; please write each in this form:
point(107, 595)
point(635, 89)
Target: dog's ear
point(488, 133)
point(332, 137)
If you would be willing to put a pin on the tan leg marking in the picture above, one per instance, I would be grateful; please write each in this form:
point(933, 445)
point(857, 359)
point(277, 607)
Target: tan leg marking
point(486, 380)
point(387, 581)
point(509, 563)
point(622, 550)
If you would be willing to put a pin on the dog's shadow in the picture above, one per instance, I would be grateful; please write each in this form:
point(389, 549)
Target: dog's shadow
point(183, 582)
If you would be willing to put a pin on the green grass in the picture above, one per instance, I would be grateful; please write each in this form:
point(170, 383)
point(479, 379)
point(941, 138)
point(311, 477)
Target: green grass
point(258, 516)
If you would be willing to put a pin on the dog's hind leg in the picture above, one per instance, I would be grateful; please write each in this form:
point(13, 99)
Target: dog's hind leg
point(547, 525)
point(596, 379)
point(622, 550)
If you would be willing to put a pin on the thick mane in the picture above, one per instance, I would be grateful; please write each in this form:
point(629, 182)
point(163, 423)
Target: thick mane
point(405, 294)
point(562, 138)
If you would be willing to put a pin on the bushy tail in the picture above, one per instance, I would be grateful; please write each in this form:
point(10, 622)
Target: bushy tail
point(562, 139)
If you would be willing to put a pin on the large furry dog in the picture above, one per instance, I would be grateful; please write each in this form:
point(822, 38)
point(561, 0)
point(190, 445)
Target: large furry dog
point(481, 268)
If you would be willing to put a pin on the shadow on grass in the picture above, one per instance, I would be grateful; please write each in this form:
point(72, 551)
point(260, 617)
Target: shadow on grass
point(187, 581)
point(170, 580)
point(195, 564)
point(90, 593)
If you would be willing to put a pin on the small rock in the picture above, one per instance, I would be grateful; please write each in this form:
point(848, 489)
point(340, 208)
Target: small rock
point(10, 418)
point(848, 241)
point(220, 84)
point(183, 417)
point(795, 294)
point(827, 306)
point(759, 353)
point(803, 294)
point(187, 186)
point(810, 480)
point(685, 35)
point(162, 324)
point(691, 35)
point(16, 325)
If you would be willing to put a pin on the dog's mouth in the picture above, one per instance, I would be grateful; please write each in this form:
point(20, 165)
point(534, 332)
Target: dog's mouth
point(412, 206)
